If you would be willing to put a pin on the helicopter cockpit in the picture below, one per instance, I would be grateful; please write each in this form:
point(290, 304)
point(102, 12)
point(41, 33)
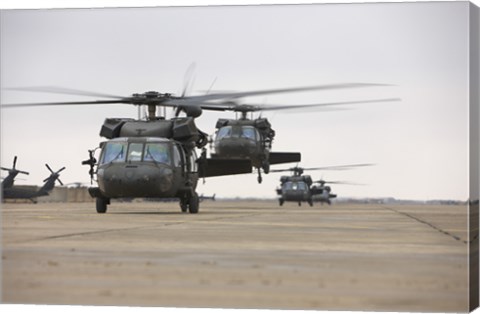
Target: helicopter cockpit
point(234, 131)
point(123, 151)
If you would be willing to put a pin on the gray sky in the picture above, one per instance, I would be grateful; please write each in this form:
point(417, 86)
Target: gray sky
point(419, 145)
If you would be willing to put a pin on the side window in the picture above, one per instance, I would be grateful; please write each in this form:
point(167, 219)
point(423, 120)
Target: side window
point(193, 162)
point(135, 152)
point(177, 157)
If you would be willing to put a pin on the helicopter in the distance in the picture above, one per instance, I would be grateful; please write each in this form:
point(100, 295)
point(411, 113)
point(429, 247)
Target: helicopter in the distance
point(301, 188)
point(14, 192)
point(323, 193)
point(156, 157)
point(252, 138)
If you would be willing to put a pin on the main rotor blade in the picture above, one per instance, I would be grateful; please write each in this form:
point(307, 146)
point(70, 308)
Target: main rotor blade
point(282, 90)
point(338, 182)
point(62, 90)
point(286, 107)
point(96, 102)
point(341, 167)
point(48, 167)
point(14, 161)
point(251, 107)
point(61, 169)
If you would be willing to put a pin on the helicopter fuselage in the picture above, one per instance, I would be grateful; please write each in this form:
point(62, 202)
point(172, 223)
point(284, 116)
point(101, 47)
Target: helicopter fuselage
point(295, 189)
point(242, 139)
point(146, 167)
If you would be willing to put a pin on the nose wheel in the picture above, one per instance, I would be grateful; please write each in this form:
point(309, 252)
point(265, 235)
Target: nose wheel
point(192, 204)
point(259, 178)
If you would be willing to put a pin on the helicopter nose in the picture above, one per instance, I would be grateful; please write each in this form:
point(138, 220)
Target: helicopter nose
point(238, 147)
point(136, 180)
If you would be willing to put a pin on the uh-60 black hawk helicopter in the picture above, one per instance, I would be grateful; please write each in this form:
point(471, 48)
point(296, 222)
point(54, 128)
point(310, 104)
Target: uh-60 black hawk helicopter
point(10, 191)
point(252, 138)
point(155, 158)
point(301, 188)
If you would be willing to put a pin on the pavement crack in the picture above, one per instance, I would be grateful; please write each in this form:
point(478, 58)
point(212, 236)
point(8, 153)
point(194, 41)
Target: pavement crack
point(455, 237)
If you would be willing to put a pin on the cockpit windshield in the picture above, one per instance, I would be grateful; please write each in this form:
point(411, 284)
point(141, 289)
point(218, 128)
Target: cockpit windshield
point(119, 152)
point(114, 152)
point(157, 152)
point(248, 132)
point(295, 186)
point(245, 131)
point(225, 131)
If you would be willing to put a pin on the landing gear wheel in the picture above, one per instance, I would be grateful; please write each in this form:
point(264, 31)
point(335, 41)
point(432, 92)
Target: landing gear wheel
point(280, 201)
point(299, 203)
point(266, 167)
point(101, 204)
point(310, 202)
point(193, 204)
point(259, 178)
point(183, 205)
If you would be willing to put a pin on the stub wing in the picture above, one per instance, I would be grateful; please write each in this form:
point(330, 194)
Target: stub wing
point(281, 158)
point(214, 167)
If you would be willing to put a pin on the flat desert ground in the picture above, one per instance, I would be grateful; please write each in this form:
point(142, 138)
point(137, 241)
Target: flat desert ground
point(241, 254)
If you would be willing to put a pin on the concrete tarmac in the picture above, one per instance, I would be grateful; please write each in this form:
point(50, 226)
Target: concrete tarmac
point(238, 255)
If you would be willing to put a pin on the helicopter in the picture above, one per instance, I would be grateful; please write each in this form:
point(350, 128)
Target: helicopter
point(252, 138)
point(155, 157)
point(323, 193)
point(299, 188)
point(12, 192)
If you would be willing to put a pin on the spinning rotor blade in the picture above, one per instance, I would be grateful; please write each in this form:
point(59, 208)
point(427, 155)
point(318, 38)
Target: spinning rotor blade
point(98, 102)
point(337, 182)
point(281, 90)
point(251, 108)
point(62, 90)
point(341, 167)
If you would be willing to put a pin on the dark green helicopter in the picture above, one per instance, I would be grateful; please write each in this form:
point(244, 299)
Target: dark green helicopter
point(252, 138)
point(155, 158)
point(300, 188)
point(322, 193)
point(10, 191)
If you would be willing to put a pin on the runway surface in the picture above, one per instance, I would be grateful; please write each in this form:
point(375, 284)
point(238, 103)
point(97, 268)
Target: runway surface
point(237, 255)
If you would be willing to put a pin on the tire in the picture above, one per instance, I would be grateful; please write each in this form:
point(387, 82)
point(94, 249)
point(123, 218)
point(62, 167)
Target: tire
point(101, 205)
point(193, 204)
point(280, 201)
point(183, 205)
point(310, 202)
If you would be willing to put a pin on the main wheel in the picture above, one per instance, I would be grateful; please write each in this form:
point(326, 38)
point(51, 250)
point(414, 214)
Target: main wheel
point(183, 205)
point(102, 205)
point(280, 201)
point(193, 204)
point(310, 202)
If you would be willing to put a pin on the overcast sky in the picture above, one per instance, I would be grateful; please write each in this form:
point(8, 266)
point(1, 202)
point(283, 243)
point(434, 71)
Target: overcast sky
point(419, 145)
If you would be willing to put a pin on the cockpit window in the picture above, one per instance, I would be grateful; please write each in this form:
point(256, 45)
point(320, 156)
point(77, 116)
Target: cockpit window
point(135, 152)
point(248, 132)
point(295, 186)
point(225, 131)
point(114, 152)
point(158, 152)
